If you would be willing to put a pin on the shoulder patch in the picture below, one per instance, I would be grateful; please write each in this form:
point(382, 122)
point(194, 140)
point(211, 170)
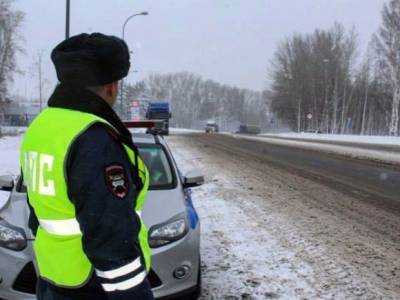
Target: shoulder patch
point(117, 180)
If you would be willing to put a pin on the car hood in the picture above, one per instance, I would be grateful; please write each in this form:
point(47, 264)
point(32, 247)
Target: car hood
point(4, 199)
point(16, 212)
point(162, 205)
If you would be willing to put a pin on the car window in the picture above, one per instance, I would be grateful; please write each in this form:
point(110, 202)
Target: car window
point(159, 166)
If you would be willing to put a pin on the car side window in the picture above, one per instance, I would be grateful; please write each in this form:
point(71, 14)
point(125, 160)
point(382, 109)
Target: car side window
point(158, 165)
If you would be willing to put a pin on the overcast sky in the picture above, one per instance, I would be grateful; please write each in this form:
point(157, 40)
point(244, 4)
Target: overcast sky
point(230, 41)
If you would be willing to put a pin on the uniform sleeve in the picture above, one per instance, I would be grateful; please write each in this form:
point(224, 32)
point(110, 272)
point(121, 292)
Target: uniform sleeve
point(33, 221)
point(100, 184)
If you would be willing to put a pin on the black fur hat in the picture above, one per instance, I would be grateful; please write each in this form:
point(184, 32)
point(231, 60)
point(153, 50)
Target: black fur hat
point(91, 59)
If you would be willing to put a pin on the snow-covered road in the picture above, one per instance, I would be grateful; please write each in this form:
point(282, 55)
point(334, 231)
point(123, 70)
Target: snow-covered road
point(271, 234)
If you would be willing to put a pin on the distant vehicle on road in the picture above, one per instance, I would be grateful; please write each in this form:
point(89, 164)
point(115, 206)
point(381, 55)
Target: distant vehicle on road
point(313, 131)
point(159, 110)
point(211, 127)
point(174, 230)
point(249, 129)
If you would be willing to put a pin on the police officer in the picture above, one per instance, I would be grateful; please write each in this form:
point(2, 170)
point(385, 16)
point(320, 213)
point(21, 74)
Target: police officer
point(86, 182)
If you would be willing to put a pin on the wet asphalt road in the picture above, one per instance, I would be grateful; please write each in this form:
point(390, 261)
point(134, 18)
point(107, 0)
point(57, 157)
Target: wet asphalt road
point(354, 174)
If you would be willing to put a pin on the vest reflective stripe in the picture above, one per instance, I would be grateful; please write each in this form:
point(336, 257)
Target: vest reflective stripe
point(125, 285)
point(61, 227)
point(121, 271)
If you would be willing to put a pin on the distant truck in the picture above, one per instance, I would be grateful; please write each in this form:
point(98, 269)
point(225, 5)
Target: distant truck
point(249, 129)
point(211, 127)
point(159, 110)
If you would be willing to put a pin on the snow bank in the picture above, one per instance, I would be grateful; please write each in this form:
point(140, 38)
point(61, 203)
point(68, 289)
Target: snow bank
point(362, 139)
point(9, 155)
point(12, 130)
point(183, 130)
point(382, 156)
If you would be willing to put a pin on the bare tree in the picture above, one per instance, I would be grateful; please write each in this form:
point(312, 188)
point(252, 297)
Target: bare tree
point(348, 60)
point(308, 72)
point(366, 71)
point(387, 43)
point(194, 99)
point(10, 22)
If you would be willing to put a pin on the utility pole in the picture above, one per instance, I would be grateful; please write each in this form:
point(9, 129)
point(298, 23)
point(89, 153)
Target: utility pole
point(67, 18)
point(39, 65)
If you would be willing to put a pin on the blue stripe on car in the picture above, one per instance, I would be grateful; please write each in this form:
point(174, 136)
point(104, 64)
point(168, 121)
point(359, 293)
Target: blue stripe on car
point(191, 211)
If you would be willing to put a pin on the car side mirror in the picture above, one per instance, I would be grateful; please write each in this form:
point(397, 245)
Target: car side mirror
point(6, 183)
point(193, 178)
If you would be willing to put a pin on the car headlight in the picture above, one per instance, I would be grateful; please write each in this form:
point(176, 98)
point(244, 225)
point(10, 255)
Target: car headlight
point(12, 237)
point(168, 232)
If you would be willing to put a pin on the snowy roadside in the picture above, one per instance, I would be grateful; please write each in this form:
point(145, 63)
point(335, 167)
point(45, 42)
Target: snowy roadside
point(9, 155)
point(362, 139)
point(241, 260)
point(183, 130)
point(12, 130)
point(381, 156)
point(269, 234)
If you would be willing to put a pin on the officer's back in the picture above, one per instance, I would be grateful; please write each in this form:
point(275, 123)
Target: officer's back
point(86, 182)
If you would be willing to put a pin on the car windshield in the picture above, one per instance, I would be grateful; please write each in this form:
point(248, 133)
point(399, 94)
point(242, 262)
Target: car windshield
point(159, 166)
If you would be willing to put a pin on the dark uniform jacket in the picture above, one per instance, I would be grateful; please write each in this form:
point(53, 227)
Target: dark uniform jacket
point(106, 216)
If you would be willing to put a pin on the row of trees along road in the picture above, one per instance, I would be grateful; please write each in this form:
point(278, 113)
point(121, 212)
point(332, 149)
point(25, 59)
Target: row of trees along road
point(319, 82)
point(192, 99)
point(10, 22)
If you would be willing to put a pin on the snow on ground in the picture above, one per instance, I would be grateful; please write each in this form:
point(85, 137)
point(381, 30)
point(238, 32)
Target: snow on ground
point(380, 140)
point(183, 130)
point(12, 130)
point(9, 155)
point(380, 155)
point(241, 259)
